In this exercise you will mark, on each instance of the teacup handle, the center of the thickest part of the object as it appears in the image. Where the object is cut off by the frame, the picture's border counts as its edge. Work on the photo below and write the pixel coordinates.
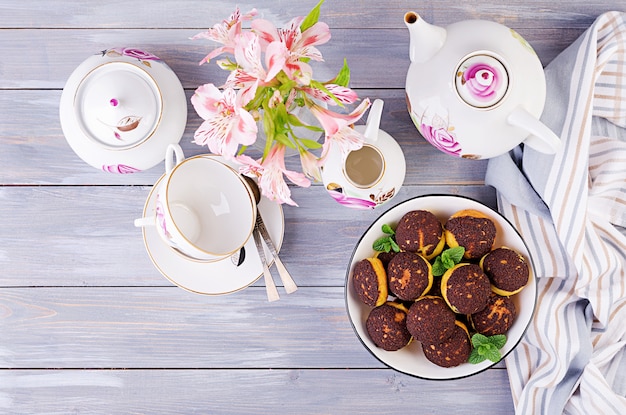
(173, 156)
(542, 138)
(373, 120)
(147, 221)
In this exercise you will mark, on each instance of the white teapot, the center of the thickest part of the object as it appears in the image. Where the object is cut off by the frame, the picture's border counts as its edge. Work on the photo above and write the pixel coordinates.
(475, 89)
(370, 176)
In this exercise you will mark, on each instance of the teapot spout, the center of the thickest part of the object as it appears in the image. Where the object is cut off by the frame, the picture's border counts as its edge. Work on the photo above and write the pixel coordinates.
(425, 39)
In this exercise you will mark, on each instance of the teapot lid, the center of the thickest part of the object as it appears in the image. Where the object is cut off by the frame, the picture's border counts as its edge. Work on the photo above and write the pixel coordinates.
(118, 105)
(481, 80)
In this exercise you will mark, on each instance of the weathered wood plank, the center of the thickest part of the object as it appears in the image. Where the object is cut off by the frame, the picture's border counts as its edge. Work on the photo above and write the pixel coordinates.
(54, 54)
(33, 149)
(289, 391)
(84, 235)
(368, 13)
(165, 327)
(375, 61)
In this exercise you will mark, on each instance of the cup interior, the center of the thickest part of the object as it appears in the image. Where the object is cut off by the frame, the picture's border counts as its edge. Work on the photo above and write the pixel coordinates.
(364, 167)
(210, 205)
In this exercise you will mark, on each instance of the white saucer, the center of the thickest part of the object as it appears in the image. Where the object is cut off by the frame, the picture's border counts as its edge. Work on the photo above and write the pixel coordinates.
(121, 108)
(218, 277)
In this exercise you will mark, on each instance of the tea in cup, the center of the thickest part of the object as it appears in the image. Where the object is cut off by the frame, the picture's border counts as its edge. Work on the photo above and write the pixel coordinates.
(204, 208)
(364, 167)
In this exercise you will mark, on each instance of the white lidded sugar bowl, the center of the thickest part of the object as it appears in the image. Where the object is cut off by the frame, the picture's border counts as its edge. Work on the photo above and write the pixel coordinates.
(121, 108)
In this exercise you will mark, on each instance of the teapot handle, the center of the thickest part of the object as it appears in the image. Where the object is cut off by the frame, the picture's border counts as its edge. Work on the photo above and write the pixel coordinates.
(373, 120)
(542, 138)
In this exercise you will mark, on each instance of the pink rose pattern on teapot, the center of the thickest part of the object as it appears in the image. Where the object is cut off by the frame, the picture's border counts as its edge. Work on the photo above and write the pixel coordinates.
(442, 138)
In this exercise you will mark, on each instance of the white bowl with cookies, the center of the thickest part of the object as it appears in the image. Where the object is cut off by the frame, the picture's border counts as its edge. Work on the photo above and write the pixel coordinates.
(389, 295)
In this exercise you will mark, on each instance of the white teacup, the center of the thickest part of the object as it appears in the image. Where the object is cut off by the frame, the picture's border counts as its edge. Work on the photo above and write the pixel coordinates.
(370, 176)
(204, 208)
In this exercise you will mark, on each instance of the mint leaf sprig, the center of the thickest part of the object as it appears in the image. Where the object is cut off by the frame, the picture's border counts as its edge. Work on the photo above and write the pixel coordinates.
(486, 347)
(448, 259)
(386, 243)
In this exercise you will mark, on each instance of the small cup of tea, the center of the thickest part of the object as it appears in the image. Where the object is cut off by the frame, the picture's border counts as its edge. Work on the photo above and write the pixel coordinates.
(204, 208)
(370, 176)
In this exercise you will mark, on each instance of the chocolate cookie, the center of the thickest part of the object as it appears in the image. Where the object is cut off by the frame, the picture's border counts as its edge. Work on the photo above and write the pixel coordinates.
(496, 318)
(507, 270)
(466, 288)
(386, 326)
(409, 276)
(430, 320)
(420, 231)
(369, 281)
(451, 352)
(471, 229)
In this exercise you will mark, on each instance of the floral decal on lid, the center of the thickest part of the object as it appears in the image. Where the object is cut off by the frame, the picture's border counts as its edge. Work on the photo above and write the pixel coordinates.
(140, 55)
(481, 81)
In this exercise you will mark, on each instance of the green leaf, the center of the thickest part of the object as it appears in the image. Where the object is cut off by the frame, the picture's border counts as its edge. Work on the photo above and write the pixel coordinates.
(447, 261)
(486, 348)
(479, 339)
(382, 244)
(295, 121)
(438, 268)
(312, 17)
(498, 340)
(386, 243)
(394, 245)
(456, 254)
(475, 357)
(388, 229)
(310, 144)
(283, 139)
(343, 77)
(268, 128)
(492, 354)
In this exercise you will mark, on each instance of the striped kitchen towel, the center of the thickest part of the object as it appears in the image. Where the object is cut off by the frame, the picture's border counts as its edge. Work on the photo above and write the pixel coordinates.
(570, 208)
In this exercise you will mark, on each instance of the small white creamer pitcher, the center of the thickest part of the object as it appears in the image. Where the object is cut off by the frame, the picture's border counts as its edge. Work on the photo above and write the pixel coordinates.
(370, 176)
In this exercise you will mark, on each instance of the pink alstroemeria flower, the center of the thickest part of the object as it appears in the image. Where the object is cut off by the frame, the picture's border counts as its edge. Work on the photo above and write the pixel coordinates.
(225, 33)
(299, 44)
(270, 173)
(226, 123)
(250, 73)
(343, 94)
(310, 165)
(337, 128)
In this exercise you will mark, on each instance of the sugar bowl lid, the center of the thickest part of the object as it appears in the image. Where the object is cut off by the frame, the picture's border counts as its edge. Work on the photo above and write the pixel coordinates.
(121, 108)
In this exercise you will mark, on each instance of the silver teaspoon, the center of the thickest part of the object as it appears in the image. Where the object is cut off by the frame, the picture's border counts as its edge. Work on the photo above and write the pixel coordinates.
(285, 277)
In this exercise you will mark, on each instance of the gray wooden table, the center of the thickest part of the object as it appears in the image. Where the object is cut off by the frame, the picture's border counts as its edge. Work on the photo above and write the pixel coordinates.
(88, 325)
